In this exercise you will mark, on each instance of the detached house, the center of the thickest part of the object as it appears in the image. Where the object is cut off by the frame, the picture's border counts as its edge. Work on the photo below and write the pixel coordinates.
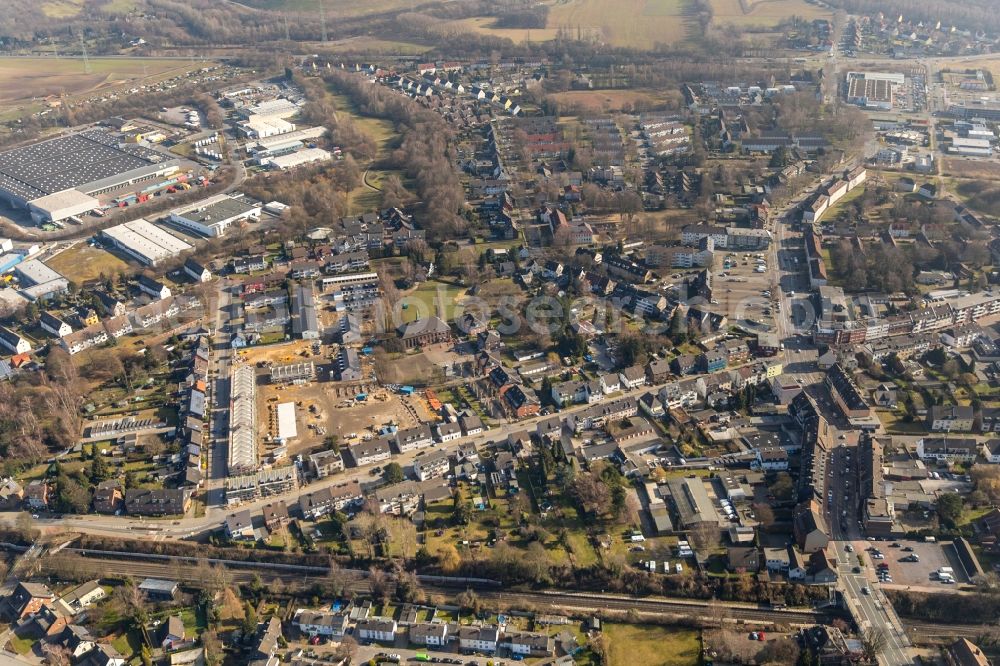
(633, 377)
(54, 325)
(152, 287)
(13, 342)
(196, 271)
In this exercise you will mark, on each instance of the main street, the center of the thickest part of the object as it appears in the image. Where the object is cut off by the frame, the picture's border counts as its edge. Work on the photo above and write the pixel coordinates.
(839, 490)
(186, 527)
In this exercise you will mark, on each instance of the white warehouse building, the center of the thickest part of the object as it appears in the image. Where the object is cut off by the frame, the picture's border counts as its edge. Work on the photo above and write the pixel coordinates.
(144, 241)
(302, 157)
(213, 216)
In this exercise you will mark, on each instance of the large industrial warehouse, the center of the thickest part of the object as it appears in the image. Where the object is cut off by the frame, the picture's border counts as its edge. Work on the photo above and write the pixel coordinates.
(213, 216)
(873, 90)
(60, 178)
(145, 242)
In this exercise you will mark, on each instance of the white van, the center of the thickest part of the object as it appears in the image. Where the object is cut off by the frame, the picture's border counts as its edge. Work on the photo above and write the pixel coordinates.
(679, 568)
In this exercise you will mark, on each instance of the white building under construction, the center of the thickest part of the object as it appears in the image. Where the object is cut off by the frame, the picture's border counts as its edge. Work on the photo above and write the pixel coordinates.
(243, 456)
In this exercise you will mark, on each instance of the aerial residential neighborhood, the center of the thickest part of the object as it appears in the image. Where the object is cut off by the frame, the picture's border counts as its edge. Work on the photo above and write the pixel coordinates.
(480, 333)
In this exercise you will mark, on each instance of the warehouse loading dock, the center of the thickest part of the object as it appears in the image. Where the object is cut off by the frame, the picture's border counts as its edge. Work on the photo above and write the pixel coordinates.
(61, 206)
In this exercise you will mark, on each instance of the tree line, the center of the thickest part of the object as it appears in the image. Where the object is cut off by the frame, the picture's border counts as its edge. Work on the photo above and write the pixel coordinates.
(426, 153)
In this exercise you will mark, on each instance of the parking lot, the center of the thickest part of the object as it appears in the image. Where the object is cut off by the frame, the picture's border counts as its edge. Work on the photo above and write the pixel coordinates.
(932, 556)
(739, 290)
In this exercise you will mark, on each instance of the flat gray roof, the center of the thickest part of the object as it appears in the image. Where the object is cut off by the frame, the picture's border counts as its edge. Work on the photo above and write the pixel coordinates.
(69, 162)
(223, 208)
(35, 272)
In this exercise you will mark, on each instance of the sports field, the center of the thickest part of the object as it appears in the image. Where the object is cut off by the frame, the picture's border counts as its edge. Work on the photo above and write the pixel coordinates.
(763, 12)
(23, 79)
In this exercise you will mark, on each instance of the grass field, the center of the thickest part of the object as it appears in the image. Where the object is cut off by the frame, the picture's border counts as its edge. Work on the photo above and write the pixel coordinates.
(331, 7)
(82, 263)
(635, 23)
(484, 25)
(377, 46)
(975, 183)
(651, 645)
(431, 298)
(24, 79)
(367, 196)
(631, 23)
(63, 9)
(605, 101)
(763, 12)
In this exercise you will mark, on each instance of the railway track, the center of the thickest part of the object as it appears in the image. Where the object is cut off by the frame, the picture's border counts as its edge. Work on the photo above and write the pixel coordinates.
(583, 601)
(918, 630)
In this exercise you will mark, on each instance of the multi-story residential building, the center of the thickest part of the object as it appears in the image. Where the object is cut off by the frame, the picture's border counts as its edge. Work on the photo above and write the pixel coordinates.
(946, 449)
(85, 338)
(325, 463)
(528, 644)
(376, 629)
(152, 287)
(447, 431)
(369, 453)
(13, 342)
(432, 465)
(417, 437)
(427, 633)
(478, 639)
(772, 459)
(950, 418)
(118, 327)
(54, 325)
(320, 623)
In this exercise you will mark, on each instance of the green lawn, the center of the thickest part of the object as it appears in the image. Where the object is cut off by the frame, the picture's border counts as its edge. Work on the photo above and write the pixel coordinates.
(22, 645)
(129, 644)
(894, 423)
(82, 263)
(842, 204)
(651, 645)
(971, 515)
(431, 298)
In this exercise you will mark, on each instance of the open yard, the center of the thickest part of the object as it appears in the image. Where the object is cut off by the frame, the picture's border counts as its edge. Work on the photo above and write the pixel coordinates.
(651, 645)
(368, 196)
(368, 44)
(83, 263)
(331, 7)
(605, 101)
(630, 23)
(634, 23)
(25, 79)
(431, 298)
(62, 9)
(763, 12)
